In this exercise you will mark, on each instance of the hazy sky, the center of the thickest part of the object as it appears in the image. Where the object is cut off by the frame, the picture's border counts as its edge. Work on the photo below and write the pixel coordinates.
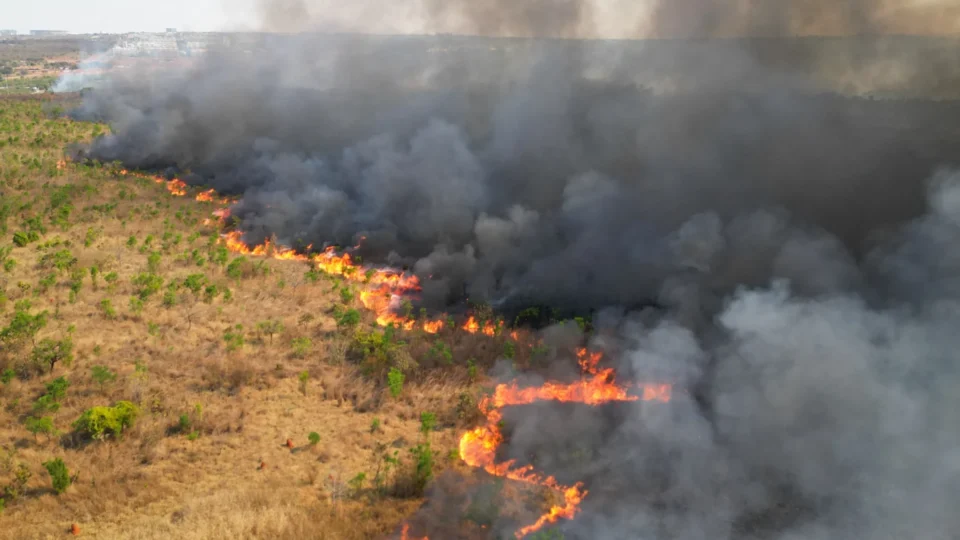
(611, 18)
(115, 15)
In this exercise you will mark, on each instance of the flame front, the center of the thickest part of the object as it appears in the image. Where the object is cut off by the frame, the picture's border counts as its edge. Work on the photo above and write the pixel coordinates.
(384, 293)
(478, 448)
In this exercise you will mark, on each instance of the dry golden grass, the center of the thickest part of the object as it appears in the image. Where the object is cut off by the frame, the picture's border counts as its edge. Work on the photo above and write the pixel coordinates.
(156, 482)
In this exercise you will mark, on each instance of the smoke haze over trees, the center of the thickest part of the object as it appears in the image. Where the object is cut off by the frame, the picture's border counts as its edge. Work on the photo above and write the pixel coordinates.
(795, 237)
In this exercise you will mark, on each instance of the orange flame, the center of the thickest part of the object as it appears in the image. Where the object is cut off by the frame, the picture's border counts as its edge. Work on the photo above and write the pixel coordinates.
(478, 447)
(206, 196)
(473, 326)
(404, 534)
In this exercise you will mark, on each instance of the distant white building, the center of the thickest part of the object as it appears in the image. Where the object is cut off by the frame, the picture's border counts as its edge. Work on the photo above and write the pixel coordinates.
(46, 33)
(6, 33)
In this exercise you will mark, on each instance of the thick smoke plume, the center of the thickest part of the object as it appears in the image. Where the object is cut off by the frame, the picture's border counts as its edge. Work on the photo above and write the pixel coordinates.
(741, 215)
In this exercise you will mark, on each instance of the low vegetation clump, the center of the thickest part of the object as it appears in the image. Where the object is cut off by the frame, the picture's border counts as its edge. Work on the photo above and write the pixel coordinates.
(101, 422)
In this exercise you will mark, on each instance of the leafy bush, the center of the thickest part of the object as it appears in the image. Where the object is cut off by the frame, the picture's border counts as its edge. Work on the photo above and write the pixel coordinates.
(100, 422)
(40, 425)
(45, 404)
(57, 388)
(195, 283)
(234, 337)
(348, 319)
(16, 488)
(21, 238)
(153, 262)
(136, 305)
(23, 326)
(301, 346)
(106, 307)
(7, 376)
(102, 375)
(147, 285)
(59, 475)
(395, 379)
(61, 260)
(314, 438)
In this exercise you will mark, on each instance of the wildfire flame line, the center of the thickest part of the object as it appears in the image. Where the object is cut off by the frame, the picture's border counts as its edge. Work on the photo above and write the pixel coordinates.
(478, 447)
(384, 293)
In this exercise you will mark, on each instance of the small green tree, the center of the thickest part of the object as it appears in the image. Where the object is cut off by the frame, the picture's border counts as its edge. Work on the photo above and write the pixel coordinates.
(269, 328)
(314, 438)
(59, 475)
(50, 352)
(37, 425)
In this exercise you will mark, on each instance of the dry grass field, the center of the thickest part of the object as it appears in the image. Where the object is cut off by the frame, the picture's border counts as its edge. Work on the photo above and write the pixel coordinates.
(114, 290)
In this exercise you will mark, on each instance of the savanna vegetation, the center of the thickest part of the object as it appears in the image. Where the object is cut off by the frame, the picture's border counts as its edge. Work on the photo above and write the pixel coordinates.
(155, 385)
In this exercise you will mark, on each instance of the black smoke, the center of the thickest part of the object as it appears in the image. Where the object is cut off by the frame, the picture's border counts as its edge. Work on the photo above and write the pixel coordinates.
(786, 203)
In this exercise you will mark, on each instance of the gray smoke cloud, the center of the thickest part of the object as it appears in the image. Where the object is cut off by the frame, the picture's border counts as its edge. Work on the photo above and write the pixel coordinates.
(739, 215)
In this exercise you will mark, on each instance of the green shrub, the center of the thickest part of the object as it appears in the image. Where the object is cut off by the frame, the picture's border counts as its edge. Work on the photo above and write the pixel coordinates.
(509, 349)
(23, 326)
(59, 475)
(106, 307)
(395, 379)
(7, 376)
(147, 285)
(301, 346)
(136, 305)
(153, 262)
(45, 404)
(195, 283)
(100, 422)
(314, 438)
(304, 378)
(102, 375)
(234, 338)
(428, 422)
(356, 484)
(57, 388)
(16, 488)
(61, 260)
(40, 425)
(184, 425)
(348, 319)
